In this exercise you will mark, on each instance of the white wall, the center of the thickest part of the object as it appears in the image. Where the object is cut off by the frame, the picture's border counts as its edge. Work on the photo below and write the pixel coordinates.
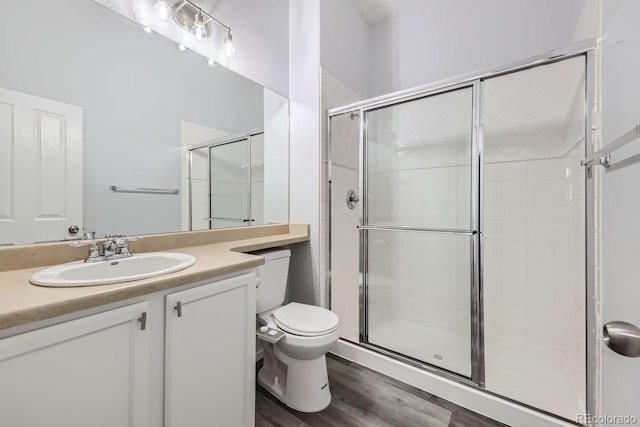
(260, 33)
(345, 44)
(304, 96)
(620, 295)
(276, 153)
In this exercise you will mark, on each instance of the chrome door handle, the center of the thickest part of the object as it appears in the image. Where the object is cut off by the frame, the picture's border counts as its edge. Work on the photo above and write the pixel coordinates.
(352, 199)
(622, 337)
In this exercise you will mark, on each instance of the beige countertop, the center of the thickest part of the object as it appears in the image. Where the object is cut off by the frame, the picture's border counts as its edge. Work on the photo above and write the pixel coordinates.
(218, 252)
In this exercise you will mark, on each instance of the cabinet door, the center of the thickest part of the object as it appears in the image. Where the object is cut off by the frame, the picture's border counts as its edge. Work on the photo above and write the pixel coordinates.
(91, 371)
(210, 355)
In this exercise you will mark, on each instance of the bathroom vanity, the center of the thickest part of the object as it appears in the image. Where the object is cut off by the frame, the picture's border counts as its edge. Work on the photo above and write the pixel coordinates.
(178, 348)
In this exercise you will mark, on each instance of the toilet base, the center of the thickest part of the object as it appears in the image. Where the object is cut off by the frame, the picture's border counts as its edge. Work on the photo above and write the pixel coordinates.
(302, 385)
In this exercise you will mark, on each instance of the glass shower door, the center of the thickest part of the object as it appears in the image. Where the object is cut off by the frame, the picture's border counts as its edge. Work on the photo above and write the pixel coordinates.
(418, 238)
(230, 185)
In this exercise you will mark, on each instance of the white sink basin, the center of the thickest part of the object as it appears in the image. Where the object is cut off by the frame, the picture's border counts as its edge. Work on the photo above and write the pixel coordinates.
(136, 267)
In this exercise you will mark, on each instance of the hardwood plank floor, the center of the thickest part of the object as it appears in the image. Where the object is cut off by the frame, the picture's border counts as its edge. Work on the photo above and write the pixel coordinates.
(362, 397)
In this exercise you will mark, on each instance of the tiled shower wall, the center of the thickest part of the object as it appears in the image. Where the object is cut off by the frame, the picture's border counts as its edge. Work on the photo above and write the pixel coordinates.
(345, 158)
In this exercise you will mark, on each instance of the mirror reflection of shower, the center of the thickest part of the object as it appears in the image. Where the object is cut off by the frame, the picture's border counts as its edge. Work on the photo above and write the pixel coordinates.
(227, 183)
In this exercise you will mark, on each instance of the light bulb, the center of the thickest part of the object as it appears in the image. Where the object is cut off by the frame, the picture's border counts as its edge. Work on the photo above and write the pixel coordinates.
(198, 30)
(229, 48)
(162, 10)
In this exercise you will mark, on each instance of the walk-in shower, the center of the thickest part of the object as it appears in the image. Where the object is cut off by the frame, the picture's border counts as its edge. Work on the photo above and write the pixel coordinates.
(470, 229)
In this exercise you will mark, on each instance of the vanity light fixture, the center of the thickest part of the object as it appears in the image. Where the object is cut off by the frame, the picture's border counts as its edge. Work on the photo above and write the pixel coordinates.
(163, 10)
(196, 21)
(198, 30)
(229, 48)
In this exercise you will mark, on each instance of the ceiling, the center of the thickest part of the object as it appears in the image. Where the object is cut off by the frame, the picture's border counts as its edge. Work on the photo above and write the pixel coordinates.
(377, 10)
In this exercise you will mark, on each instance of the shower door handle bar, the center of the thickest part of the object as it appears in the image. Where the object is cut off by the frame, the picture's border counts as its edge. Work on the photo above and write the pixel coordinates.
(603, 156)
(419, 229)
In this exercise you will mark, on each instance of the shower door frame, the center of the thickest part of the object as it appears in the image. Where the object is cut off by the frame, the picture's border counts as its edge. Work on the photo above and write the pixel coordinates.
(224, 140)
(477, 355)
(587, 49)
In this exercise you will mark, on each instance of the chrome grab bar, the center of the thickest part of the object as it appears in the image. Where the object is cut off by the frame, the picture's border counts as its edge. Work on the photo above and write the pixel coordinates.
(622, 337)
(602, 157)
(228, 219)
(132, 189)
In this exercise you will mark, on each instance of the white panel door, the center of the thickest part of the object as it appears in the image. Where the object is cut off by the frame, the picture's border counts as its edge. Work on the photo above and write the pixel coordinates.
(210, 355)
(91, 371)
(40, 168)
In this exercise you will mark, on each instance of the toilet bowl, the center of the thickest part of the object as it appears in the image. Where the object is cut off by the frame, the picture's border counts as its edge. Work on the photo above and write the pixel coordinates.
(294, 368)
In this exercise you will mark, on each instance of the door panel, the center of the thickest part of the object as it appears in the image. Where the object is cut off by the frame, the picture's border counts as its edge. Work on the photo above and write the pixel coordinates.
(41, 147)
(92, 371)
(417, 241)
(210, 354)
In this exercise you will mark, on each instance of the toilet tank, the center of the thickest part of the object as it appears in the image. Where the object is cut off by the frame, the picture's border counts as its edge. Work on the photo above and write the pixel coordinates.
(272, 278)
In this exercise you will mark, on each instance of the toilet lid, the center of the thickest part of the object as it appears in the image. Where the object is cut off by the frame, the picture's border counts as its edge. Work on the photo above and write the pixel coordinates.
(306, 320)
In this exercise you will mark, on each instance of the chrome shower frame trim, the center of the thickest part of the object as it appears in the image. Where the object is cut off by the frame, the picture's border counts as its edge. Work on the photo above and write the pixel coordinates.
(476, 368)
(477, 312)
(586, 48)
(363, 235)
(574, 49)
(418, 229)
(190, 189)
(591, 362)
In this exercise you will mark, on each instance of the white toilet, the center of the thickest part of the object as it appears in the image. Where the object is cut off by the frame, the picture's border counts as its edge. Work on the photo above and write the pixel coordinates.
(295, 368)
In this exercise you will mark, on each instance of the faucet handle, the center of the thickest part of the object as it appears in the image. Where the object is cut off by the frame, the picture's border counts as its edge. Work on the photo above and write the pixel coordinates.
(123, 237)
(94, 252)
(81, 243)
(122, 243)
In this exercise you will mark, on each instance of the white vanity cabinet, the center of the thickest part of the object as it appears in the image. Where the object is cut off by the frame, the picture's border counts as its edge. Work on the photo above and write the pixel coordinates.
(138, 362)
(92, 371)
(210, 354)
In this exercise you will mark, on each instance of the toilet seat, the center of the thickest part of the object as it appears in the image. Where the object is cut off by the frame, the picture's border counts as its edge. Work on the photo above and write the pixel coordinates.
(305, 320)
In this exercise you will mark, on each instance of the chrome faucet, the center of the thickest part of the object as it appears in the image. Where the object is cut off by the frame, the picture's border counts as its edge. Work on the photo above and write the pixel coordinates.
(114, 247)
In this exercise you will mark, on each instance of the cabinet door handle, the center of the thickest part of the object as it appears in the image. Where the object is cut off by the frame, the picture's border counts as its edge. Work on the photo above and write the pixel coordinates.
(178, 307)
(143, 321)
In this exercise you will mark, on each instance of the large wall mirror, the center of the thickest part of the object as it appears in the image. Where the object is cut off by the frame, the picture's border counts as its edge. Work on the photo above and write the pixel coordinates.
(109, 129)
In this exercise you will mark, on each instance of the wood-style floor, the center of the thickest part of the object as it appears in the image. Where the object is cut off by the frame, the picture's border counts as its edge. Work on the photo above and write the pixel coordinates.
(364, 398)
